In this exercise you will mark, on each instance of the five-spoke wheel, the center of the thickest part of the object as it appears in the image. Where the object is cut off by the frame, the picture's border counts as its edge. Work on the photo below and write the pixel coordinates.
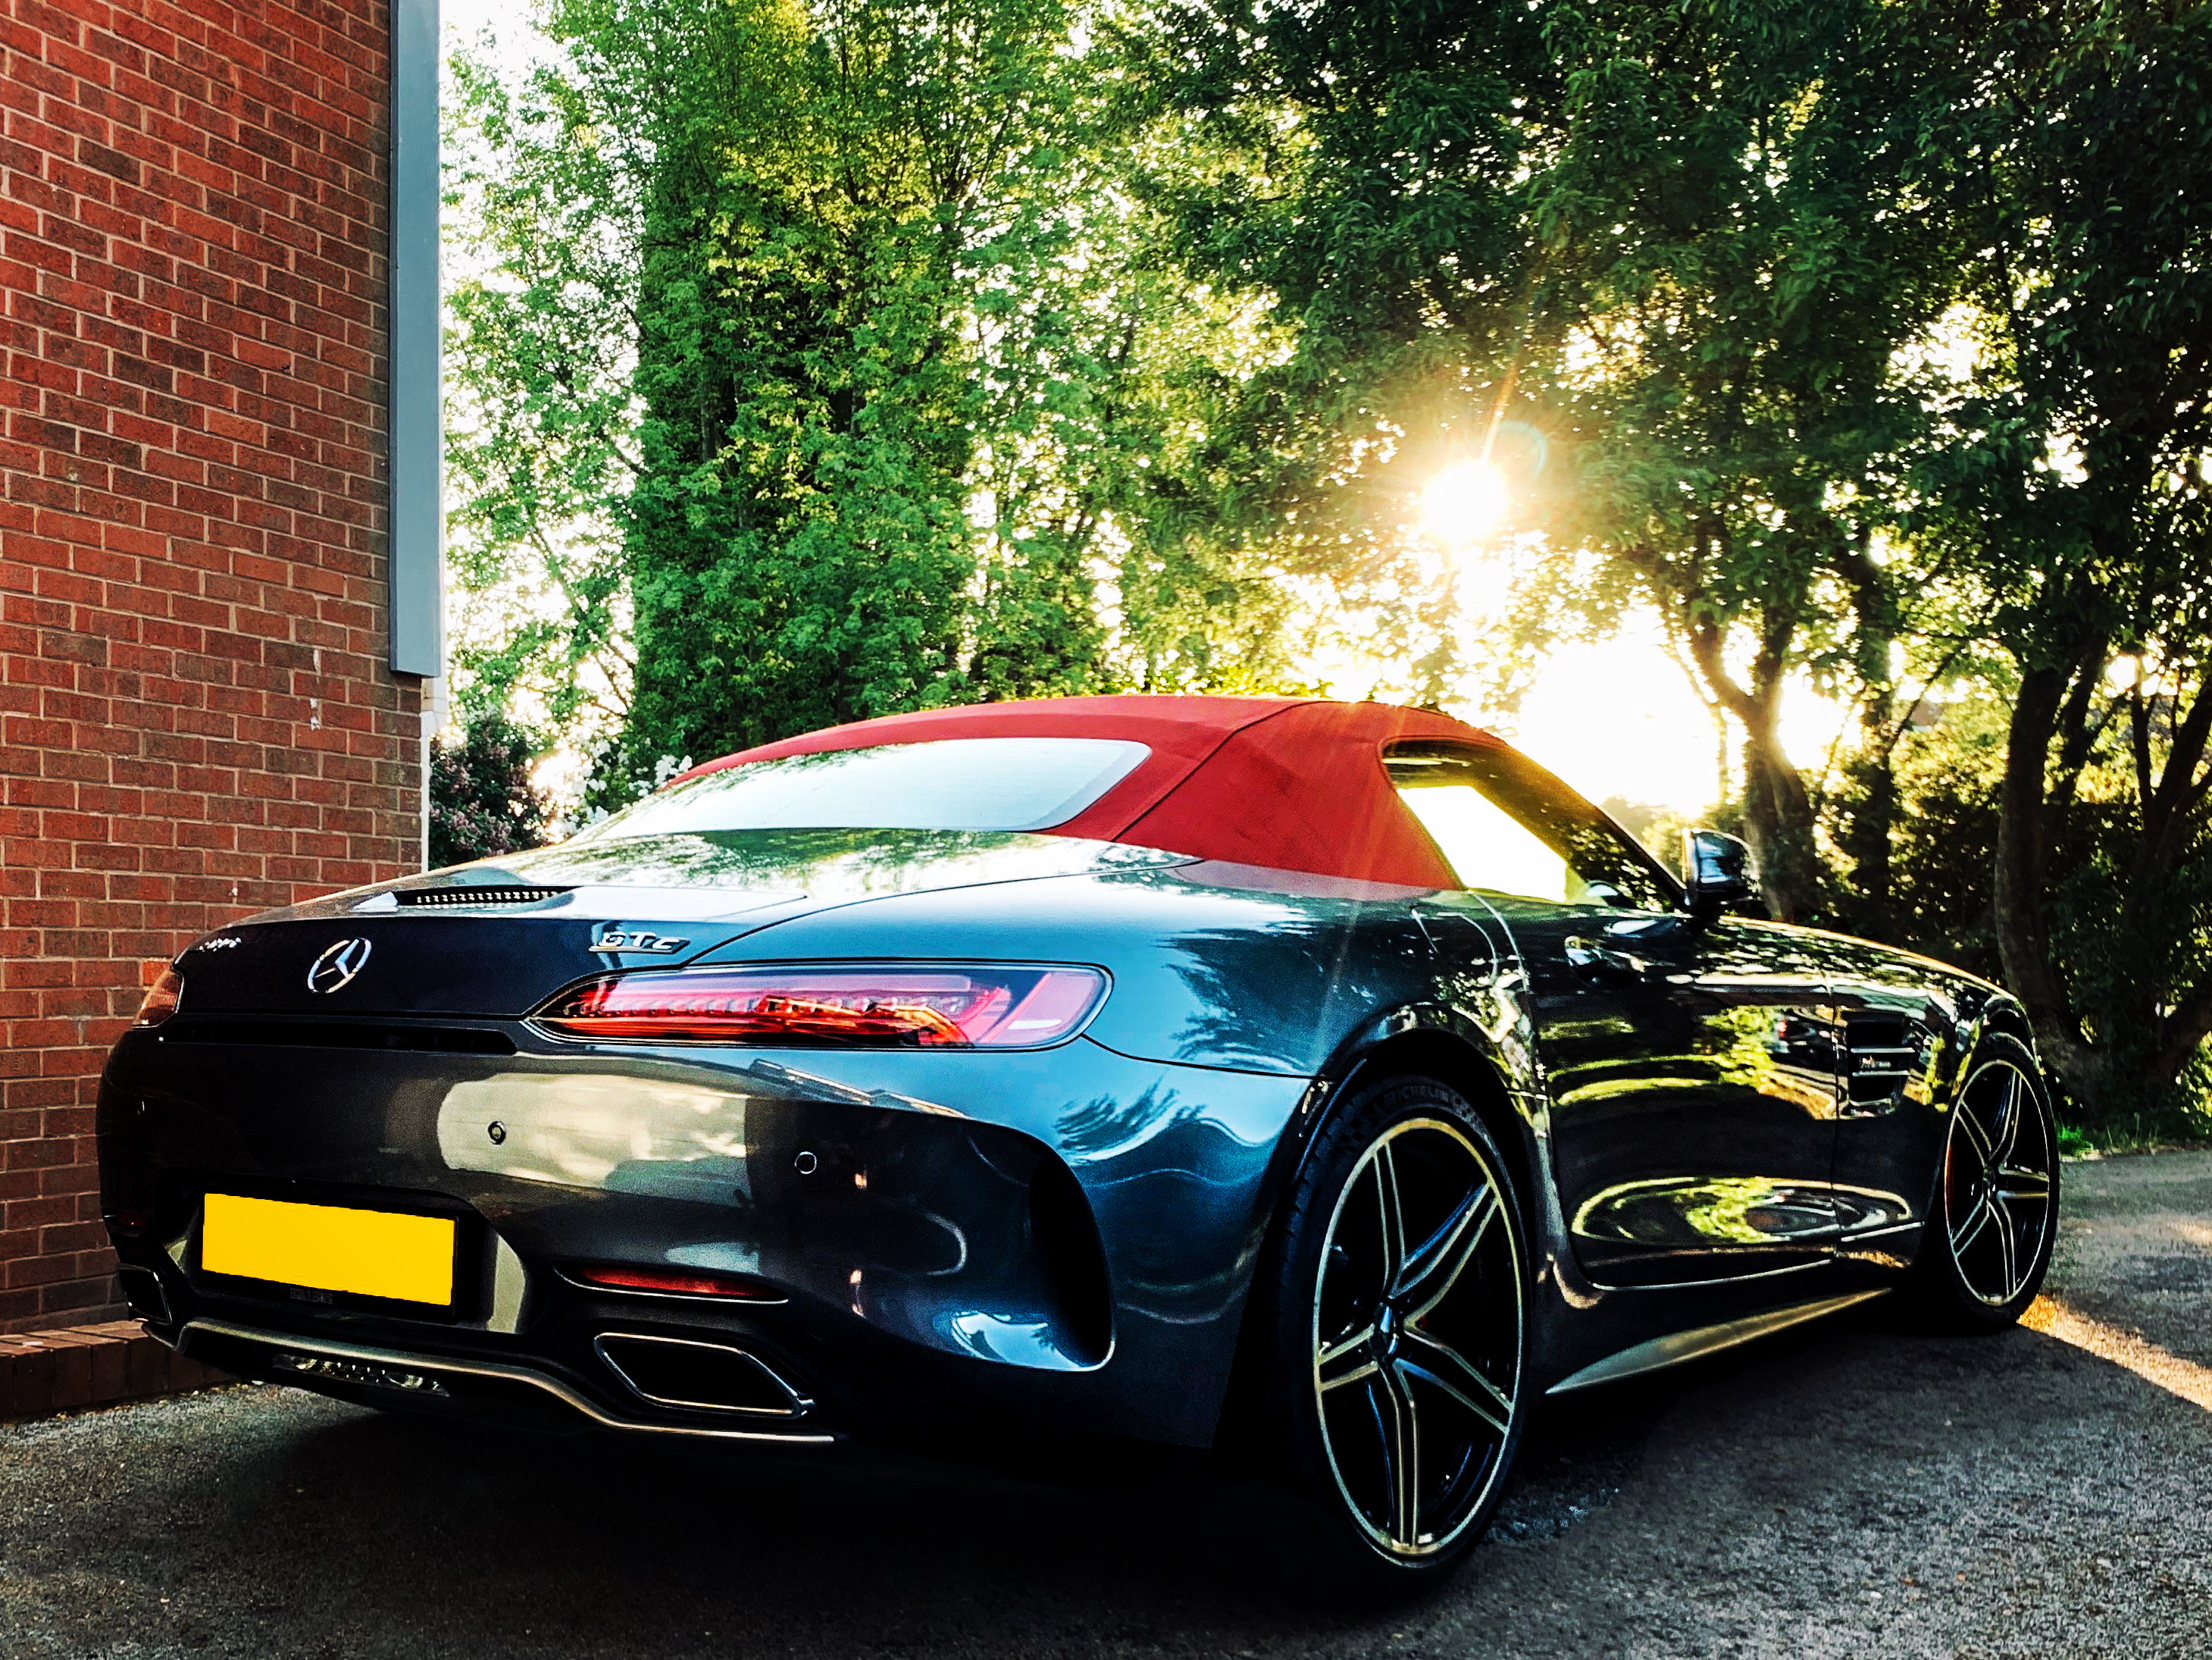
(1989, 1244)
(1400, 1303)
(1418, 1335)
(1997, 1181)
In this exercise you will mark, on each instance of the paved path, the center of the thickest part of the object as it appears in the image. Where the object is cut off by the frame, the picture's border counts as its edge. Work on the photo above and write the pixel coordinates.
(1852, 1490)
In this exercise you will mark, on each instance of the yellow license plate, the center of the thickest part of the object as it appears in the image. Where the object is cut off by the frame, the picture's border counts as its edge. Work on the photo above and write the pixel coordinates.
(373, 1253)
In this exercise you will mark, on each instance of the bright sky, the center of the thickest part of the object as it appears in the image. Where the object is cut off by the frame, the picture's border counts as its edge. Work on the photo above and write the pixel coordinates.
(469, 16)
(1620, 719)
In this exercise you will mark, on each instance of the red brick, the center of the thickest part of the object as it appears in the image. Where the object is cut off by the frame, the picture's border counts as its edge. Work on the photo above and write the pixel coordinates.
(110, 1366)
(26, 1384)
(146, 1367)
(192, 446)
(91, 1364)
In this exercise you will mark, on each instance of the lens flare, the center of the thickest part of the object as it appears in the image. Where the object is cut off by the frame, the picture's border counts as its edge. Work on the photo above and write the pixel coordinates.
(1464, 503)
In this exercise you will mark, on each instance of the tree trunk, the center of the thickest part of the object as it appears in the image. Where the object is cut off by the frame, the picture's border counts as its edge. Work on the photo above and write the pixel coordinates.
(1778, 818)
(1778, 812)
(1868, 827)
(2023, 830)
(1870, 823)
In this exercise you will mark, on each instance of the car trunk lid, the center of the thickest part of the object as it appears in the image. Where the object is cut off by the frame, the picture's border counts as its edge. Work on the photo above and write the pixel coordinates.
(497, 938)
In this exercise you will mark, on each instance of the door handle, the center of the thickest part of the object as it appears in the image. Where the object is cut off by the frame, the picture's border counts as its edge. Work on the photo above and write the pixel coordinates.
(1601, 964)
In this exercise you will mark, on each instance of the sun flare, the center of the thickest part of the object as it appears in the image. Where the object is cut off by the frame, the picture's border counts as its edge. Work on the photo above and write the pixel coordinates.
(1463, 503)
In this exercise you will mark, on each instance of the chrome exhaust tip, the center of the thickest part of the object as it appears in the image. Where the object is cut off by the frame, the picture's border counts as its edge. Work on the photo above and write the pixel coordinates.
(690, 1374)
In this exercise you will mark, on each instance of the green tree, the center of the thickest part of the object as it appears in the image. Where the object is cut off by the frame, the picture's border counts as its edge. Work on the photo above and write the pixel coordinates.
(1742, 253)
(1363, 176)
(859, 383)
(2075, 492)
(540, 452)
(797, 541)
(1937, 824)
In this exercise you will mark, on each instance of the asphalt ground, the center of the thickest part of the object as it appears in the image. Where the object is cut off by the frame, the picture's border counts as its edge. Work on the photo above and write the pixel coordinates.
(1850, 1489)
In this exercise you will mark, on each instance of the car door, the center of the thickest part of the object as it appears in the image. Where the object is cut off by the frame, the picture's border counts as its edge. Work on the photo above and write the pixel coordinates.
(1689, 1064)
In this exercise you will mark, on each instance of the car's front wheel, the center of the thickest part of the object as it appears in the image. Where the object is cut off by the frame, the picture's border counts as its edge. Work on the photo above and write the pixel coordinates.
(1988, 1243)
(1397, 1295)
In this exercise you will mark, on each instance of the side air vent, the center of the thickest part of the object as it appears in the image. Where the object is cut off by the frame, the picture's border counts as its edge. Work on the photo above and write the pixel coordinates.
(696, 1377)
(340, 1035)
(473, 897)
(1882, 1054)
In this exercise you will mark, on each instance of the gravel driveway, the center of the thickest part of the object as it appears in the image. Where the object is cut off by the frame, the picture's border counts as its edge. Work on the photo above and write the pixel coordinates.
(1849, 1489)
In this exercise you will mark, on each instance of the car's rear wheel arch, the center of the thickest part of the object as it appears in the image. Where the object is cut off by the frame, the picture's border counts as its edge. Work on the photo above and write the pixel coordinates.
(1459, 1066)
(1430, 1053)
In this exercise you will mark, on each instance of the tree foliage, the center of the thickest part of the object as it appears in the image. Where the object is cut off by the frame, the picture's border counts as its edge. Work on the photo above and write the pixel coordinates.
(540, 451)
(1867, 343)
(819, 368)
(1365, 173)
(1679, 245)
(2074, 493)
(1740, 257)
(482, 802)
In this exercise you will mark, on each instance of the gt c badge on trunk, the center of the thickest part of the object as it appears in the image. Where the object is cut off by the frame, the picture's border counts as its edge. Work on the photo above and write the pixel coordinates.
(619, 939)
(336, 968)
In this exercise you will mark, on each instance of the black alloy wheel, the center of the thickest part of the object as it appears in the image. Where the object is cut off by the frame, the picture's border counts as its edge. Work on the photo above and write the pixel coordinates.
(1989, 1246)
(1400, 1298)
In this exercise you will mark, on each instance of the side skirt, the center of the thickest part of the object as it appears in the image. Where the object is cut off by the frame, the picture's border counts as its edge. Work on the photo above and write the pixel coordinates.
(1679, 1347)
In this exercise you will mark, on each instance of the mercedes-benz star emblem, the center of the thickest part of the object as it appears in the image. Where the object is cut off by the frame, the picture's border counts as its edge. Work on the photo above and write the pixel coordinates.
(336, 967)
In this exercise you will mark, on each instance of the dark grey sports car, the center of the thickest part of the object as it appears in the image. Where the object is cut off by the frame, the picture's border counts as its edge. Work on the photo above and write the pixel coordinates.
(1326, 1077)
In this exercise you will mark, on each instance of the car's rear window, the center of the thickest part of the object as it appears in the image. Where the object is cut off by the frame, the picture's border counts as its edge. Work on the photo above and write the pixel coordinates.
(953, 783)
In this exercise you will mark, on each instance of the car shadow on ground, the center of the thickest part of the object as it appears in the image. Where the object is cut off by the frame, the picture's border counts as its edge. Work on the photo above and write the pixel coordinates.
(858, 1552)
(661, 1548)
(1667, 1515)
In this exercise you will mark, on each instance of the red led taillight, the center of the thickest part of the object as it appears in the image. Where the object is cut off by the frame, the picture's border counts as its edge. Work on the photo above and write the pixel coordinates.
(680, 1282)
(981, 1007)
(161, 997)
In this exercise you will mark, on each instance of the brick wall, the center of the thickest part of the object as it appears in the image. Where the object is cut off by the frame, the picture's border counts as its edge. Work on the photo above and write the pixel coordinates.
(194, 717)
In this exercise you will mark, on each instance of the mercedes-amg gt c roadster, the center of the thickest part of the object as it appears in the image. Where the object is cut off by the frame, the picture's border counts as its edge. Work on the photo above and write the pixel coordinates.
(1328, 1081)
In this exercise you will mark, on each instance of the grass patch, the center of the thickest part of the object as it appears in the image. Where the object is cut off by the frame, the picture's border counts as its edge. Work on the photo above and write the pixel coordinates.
(2136, 1133)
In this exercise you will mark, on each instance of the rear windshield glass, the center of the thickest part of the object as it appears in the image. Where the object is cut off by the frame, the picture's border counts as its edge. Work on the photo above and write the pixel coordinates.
(953, 784)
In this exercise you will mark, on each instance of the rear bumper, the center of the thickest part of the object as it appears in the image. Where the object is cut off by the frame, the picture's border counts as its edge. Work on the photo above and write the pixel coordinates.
(956, 1242)
(465, 1386)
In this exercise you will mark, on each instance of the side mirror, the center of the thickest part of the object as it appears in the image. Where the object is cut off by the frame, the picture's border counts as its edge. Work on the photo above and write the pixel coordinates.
(1718, 874)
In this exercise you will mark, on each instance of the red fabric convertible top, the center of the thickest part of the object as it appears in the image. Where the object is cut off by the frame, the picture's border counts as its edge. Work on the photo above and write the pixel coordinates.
(1293, 784)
